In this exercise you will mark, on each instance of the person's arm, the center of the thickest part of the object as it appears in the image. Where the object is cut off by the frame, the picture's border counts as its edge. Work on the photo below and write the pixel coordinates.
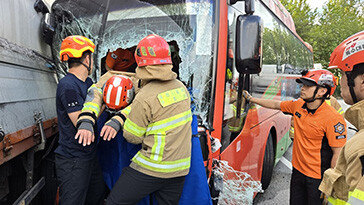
(267, 103)
(336, 136)
(90, 111)
(73, 102)
(93, 103)
(335, 104)
(73, 116)
(335, 155)
(113, 126)
(137, 122)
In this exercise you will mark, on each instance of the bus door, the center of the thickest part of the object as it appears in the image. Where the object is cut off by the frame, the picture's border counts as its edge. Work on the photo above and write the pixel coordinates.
(237, 137)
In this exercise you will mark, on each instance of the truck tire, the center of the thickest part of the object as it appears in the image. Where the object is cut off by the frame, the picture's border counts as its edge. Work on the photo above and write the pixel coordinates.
(268, 162)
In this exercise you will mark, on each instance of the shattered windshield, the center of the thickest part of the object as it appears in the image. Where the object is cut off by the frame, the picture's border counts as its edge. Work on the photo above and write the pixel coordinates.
(187, 25)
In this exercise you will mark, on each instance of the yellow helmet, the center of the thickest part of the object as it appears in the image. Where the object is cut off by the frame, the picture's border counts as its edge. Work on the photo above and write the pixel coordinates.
(75, 46)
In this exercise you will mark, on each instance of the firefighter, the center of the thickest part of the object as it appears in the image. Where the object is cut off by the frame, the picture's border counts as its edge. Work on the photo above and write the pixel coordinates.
(77, 167)
(345, 182)
(92, 108)
(332, 102)
(159, 118)
(320, 132)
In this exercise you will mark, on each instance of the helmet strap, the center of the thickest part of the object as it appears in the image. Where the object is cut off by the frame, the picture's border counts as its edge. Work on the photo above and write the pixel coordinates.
(313, 97)
(351, 85)
(89, 65)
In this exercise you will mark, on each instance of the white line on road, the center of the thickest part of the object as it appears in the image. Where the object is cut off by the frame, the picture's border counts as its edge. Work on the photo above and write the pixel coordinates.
(286, 162)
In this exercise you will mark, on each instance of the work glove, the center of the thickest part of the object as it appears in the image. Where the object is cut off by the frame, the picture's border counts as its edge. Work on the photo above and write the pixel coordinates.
(215, 144)
(110, 129)
(246, 95)
(85, 133)
(85, 125)
(114, 124)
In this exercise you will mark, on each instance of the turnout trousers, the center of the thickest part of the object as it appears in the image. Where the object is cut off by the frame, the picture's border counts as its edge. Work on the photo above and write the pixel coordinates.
(132, 186)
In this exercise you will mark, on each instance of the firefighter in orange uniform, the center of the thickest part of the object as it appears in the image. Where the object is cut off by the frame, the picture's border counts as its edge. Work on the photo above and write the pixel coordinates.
(344, 184)
(77, 167)
(320, 132)
(332, 102)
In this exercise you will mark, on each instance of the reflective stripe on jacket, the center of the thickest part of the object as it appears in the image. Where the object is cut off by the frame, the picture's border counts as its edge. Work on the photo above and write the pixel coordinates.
(345, 182)
(235, 124)
(94, 99)
(160, 119)
(354, 198)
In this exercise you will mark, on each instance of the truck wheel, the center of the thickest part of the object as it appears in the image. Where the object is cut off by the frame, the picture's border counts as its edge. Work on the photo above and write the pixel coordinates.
(268, 162)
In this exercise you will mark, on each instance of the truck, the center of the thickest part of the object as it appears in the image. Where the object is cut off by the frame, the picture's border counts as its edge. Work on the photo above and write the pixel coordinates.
(218, 49)
(28, 122)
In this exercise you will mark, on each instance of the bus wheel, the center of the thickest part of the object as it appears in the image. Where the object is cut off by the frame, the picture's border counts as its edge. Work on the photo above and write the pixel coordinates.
(268, 162)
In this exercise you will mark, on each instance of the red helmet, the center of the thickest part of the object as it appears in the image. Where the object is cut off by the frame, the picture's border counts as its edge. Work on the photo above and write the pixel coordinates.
(74, 46)
(152, 50)
(319, 77)
(120, 60)
(118, 92)
(349, 53)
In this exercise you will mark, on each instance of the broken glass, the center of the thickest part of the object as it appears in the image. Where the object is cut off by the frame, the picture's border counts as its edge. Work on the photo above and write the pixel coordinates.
(189, 23)
(235, 187)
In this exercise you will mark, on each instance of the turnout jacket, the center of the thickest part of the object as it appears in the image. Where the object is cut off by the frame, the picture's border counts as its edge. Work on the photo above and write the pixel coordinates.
(345, 182)
(159, 118)
(94, 99)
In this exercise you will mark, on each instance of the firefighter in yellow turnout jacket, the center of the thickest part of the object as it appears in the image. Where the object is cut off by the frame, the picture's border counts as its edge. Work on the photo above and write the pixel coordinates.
(93, 106)
(344, 184)
(160, 119)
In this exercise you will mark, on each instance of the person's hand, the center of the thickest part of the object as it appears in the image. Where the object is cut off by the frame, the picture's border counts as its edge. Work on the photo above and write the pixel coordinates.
(85, 137)
(108, 133)
(246, 95)
(110, 129)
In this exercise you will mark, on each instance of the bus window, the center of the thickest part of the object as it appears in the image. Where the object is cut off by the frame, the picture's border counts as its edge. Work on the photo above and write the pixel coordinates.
(284, 57)
(232, 125)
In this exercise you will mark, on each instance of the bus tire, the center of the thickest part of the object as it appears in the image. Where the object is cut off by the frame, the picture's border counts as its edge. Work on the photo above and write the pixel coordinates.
(268, 162)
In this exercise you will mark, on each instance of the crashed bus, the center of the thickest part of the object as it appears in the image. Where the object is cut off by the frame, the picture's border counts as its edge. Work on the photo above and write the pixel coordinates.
(218, 49)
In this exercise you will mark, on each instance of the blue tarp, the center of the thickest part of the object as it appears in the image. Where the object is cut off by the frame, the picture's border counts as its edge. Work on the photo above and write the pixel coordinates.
(116, 154)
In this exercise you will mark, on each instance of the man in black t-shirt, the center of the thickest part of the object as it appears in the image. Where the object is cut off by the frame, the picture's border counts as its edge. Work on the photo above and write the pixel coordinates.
(77, 167)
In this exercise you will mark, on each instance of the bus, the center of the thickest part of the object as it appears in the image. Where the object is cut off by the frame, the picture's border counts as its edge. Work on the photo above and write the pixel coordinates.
(208, 41)
(218, 49)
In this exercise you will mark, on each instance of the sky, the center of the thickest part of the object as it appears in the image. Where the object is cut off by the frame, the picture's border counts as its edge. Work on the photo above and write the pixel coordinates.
(316, 3)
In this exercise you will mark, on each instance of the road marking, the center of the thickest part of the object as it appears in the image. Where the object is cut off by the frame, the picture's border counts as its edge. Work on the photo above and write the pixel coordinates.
(286, 162)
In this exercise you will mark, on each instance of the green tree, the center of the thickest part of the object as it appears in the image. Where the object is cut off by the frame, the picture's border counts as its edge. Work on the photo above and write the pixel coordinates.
(338, 20)
(324, 30)
(303, 16)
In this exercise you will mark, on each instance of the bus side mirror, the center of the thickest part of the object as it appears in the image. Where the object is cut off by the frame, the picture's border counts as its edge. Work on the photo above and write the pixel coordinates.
(47, 27)
(248, 44)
